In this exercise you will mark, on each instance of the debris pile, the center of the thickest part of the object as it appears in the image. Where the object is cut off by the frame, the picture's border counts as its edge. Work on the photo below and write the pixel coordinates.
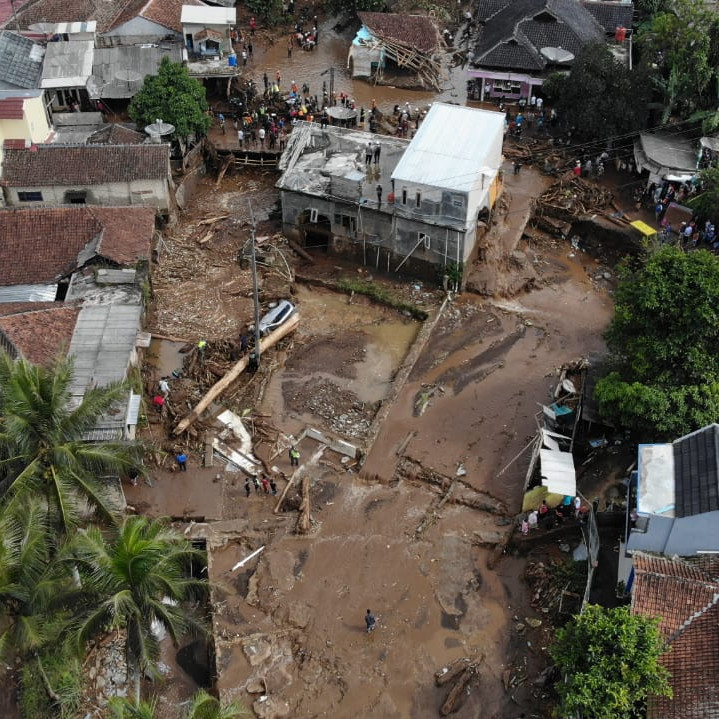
(570, 199)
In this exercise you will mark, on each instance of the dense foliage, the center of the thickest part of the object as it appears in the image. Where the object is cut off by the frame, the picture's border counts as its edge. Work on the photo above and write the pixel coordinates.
(600, 97)
(42, 452)
(610, 659)
(174, 97)
(663, 339)
(680, 46)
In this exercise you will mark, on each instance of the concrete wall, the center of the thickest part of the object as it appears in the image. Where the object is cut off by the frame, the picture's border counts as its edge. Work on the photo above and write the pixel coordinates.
(191, 29)
(380, 239)
(151, 193)
(362, 59)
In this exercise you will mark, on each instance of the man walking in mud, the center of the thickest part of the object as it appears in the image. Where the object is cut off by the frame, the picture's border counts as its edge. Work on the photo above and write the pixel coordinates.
(294, 456)
(370, 621)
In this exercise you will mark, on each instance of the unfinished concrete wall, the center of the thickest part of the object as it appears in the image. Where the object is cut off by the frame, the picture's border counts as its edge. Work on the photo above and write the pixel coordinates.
(378, 238)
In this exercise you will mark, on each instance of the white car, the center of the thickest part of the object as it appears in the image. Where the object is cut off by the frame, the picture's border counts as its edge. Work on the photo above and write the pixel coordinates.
(276, 316)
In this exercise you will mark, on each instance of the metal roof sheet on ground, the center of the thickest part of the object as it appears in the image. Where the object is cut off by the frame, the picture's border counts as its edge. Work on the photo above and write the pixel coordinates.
(67, 64)
(557, 471)
(452, 148)
(102, 345)
(192, 15)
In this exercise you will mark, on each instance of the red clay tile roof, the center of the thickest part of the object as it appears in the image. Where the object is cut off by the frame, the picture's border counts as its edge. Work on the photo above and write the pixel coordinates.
(39, 245)
(14, 145)
(116, 135)
(109, 14)
(11, 108)
(48, 165)
(687, 599)
(40, 334)
(163, 12)
(127, 233)
(416, 31)
(56, 11)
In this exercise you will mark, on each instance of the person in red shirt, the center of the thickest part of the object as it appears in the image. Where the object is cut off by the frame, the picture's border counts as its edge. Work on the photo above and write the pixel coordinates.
(253, 25)
(158, 402)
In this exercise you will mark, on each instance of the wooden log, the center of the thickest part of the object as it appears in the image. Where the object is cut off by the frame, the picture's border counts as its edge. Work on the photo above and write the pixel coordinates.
(227, 162)
(456, 692)
(278, 506)
(169, 338)
(455, 669)
(304, 523)
(301, 252)
(212, 220)
(218, 388)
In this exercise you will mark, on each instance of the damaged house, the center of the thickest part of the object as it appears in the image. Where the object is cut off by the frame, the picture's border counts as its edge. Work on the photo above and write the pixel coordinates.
(73, 283)
(396, 43)
(418, 208)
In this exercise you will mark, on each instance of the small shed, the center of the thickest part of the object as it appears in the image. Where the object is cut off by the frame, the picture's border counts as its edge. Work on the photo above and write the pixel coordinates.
(410, 42)
(207, 29)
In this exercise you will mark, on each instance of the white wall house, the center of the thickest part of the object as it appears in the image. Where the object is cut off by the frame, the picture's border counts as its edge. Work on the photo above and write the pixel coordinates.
(206, 30)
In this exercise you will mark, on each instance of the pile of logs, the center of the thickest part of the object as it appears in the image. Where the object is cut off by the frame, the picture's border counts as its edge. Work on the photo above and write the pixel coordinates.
(460, 674)
(569, 199)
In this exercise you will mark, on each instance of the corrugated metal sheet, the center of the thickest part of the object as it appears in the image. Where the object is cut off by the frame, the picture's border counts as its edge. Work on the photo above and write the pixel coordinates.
(452, 148)
(558, 474)
(102, 345)
(28, 293)
(67, 64)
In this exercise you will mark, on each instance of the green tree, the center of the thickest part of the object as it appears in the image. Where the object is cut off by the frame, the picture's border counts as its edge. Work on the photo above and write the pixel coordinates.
(679, 44)
(42, 451)
(664, 378)
(610, 659)
(202, 706)
(600, 97)
(37, 594)
(352, 7)
(172, 96)
(706, 202)
(140, 577)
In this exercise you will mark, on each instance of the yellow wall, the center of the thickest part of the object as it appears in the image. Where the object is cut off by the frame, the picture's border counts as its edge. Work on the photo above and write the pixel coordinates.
(33, 126)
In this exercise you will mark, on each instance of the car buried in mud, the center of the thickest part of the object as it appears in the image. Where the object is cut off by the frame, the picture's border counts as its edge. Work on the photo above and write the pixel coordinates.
(277, 316)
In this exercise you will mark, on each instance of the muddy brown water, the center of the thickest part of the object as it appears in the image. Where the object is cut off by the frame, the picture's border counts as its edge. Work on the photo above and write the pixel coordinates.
(313, 68)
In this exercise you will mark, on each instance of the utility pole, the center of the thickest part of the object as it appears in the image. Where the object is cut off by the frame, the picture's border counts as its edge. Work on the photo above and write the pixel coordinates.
(255, 293)
(332, 84)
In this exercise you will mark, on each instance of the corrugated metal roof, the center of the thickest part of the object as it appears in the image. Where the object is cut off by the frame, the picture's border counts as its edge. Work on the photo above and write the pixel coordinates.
(102, 345)
(28, 293)
(453, 147)
(20, 60)
(67, 64)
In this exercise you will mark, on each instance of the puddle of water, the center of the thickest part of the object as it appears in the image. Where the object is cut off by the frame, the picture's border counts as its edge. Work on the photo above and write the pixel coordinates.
(165, 356)
(389, 340)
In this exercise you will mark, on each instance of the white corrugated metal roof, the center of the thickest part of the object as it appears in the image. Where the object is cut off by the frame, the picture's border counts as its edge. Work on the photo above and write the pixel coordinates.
(102, 345)
(196, 15)
(557, 470)
(67, 64)
(452, 147)
(28, 293)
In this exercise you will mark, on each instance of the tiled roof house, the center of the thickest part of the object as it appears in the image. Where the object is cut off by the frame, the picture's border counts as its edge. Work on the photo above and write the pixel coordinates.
(507, 58)
(685, 596)
(92, 174)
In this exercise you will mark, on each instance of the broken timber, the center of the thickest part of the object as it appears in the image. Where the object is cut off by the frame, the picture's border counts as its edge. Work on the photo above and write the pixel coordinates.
(219, 387)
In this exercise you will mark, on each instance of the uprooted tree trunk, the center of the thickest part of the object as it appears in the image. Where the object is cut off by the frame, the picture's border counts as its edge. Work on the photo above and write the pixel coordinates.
(304, 522)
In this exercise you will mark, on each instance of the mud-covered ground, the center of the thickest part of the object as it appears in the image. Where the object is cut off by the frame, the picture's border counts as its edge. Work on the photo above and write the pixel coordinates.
(408, 537)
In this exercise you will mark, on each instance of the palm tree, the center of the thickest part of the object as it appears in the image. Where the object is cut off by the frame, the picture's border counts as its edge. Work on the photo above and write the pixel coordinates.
(36, 591)
(202, 706)
(121, 708)
(42, 451)
(141, 578)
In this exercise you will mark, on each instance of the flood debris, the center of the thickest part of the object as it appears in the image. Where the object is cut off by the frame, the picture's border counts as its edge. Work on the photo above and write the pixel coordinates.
(461, 673)
(569, 199)
(424, 396)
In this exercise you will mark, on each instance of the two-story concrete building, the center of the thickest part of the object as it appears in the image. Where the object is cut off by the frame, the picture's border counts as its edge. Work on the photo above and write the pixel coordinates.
(413, 207)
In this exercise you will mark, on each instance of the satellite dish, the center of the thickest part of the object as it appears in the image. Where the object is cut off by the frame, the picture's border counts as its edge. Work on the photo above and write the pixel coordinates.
(158, 129)
(128, 76)
(557, 55)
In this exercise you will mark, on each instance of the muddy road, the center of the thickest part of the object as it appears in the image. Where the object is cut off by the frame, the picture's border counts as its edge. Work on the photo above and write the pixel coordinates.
(408, 537)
